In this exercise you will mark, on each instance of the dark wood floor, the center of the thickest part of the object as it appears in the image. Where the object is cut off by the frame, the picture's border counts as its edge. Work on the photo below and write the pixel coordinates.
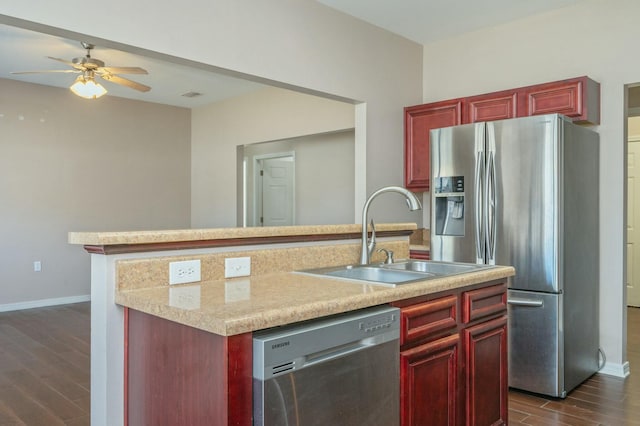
(601, 400)
(44, 366)
(44, 377)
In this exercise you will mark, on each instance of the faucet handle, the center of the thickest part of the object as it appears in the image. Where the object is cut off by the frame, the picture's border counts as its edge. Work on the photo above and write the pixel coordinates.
(372, 240)
(389, 260)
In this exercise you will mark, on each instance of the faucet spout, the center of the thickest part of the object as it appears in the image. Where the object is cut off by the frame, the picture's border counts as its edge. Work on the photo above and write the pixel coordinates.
(412, 202)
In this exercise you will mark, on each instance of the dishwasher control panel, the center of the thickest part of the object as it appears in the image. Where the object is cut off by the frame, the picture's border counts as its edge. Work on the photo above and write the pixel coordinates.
(292, 347)
(379, 322)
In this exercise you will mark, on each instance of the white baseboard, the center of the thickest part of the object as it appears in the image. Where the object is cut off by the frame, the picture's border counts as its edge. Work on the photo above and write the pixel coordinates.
(44, 302)
(617, 370)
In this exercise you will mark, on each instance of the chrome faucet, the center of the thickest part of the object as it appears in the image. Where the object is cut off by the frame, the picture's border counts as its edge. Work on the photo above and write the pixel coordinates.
(368, 246)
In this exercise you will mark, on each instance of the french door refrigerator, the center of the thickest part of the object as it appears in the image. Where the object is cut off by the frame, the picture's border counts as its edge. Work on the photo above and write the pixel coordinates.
(524, 192)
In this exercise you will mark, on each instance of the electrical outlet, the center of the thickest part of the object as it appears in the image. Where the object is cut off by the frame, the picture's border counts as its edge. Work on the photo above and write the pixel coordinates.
(37, 266)
(237, 267)
(187, 271)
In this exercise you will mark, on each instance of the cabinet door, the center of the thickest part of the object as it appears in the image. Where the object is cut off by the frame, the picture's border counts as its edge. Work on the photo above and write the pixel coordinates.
(430, 391)
(418, 122)
(492, 106)
(578, 98)
(487, 378)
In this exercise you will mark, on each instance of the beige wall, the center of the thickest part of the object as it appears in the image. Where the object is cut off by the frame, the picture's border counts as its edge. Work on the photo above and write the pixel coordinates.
(595, 38)
(266, 115)
(299, 43)
(324, 176)
(68, 164)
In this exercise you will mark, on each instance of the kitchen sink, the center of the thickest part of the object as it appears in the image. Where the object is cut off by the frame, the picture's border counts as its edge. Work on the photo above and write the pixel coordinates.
(394, 274)
(436, 268)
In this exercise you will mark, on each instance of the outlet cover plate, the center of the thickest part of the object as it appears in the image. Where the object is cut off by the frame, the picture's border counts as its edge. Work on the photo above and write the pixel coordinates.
(187, 271)
(237, 267)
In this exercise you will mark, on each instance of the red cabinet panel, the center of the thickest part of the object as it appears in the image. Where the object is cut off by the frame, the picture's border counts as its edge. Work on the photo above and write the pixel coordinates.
(487, 375)
(492, 106)
(430, 392)
(578, 98)
(454, 374)
(179, 375)
(428, 318)
(418, 121)
(419, 254)
(483, 302)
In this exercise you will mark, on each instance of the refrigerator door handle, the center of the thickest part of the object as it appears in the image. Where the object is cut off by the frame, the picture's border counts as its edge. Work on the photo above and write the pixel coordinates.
(490, 191)
(480, 177)
(526, 302)
(478, 207)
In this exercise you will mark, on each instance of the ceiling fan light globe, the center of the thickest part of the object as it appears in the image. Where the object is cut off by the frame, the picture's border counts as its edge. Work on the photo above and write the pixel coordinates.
(87, 88)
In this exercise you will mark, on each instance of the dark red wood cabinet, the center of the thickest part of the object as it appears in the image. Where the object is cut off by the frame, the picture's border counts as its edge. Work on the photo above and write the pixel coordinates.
(577, 98)
(179, 375)
(453, 358)
(418, 121)
(492, 106)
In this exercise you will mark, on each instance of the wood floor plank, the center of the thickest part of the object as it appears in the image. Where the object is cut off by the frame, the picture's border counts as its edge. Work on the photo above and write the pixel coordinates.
(45, 366)
(44, 395)
(8, 416)
(26, 409)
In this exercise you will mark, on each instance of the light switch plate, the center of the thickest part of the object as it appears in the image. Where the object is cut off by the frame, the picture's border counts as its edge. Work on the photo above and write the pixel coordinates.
(187, 271)
(237, 267)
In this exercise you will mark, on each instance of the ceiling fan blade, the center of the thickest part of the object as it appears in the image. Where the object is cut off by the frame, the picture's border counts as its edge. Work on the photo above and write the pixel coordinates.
(44, 71)
(125, 82)
(71, 64)
(123, 70)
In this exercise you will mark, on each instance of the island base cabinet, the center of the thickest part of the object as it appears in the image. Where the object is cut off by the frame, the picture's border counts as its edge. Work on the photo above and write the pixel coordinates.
(430, 392)
(487, 378)
(178, 375)
(453, 358)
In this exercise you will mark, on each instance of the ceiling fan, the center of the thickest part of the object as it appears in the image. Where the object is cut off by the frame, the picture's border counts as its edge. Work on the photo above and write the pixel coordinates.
(85, 85)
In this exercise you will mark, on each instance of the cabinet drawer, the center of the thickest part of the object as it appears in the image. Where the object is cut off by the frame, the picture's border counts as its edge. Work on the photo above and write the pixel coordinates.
(483, 302)
(426, 318)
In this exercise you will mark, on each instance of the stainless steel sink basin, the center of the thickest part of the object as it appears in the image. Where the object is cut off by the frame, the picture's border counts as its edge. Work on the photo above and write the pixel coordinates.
(436, 268)
(377, 274)
(394, 274)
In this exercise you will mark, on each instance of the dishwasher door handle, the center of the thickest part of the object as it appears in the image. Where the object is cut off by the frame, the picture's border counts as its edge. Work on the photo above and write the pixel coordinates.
(329, 354)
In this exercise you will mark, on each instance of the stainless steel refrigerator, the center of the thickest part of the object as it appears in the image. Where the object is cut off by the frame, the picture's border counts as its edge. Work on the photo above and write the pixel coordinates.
(524, 192)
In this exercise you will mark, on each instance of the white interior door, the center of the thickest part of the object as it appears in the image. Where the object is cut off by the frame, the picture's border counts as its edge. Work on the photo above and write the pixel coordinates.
(278, 192)
(633, 223)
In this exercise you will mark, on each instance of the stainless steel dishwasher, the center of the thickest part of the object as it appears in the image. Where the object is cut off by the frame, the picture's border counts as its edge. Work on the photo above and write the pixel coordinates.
(342, 370)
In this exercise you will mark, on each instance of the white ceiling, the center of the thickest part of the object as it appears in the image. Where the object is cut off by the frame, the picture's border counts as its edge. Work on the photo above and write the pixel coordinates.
(425, 21)
(422, 21)
(25, 50)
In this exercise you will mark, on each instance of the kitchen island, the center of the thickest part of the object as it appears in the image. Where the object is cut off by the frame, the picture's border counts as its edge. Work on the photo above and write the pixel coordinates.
(166, 354)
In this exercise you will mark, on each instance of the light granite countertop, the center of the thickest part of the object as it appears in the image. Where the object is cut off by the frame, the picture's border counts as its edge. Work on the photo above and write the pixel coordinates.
(173, 235)
(240, 305)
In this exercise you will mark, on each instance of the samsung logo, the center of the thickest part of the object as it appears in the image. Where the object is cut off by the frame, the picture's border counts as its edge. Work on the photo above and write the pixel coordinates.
(280, 345)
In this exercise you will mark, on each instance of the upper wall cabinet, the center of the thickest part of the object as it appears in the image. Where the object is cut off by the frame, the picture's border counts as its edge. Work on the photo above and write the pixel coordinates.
(492, 106)
(418, 121)
(577, 98)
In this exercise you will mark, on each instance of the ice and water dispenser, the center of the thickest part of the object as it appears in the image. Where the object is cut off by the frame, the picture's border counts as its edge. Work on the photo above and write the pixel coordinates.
(449, 205)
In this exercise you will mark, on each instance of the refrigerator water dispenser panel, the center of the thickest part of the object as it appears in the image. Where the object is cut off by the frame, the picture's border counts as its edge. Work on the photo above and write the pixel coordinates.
(449, 184)
(449, 205)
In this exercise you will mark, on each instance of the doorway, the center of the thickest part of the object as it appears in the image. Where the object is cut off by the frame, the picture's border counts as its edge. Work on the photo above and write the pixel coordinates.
(633, 198)
(274, 177)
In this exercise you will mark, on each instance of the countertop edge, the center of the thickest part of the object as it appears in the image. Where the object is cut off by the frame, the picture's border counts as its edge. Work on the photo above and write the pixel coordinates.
(177, 235)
